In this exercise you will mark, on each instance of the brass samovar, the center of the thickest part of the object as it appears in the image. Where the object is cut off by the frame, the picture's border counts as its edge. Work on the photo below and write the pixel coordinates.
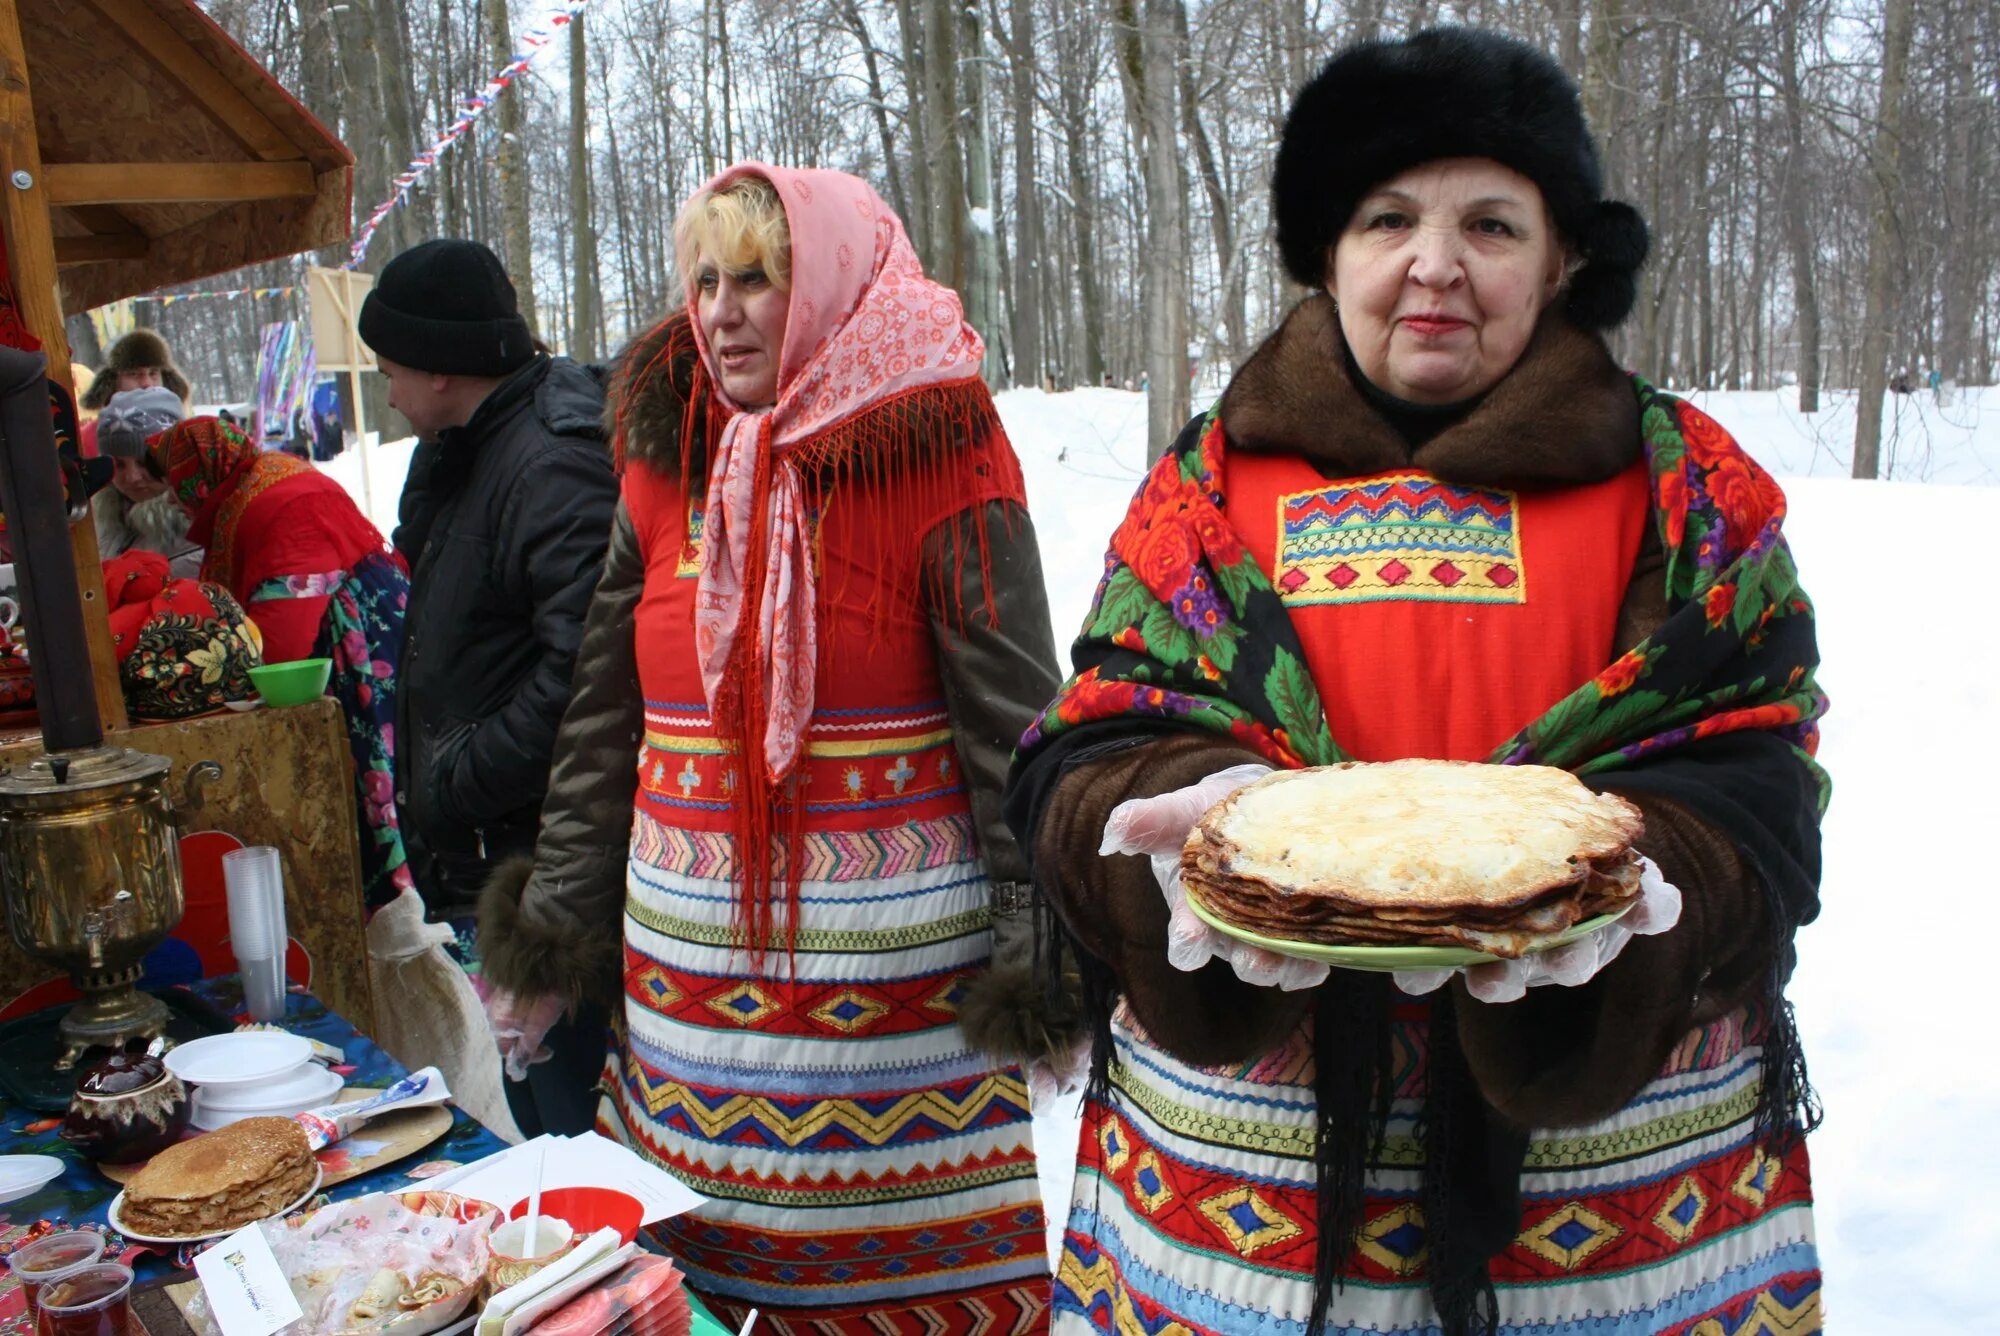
(90, 866)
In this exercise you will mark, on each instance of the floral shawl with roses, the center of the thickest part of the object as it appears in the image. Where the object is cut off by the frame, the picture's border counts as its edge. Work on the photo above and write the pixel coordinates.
(1717, 710)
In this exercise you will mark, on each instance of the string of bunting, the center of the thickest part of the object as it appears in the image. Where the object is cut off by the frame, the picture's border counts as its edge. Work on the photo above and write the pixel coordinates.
(169, 298)
(471, 109)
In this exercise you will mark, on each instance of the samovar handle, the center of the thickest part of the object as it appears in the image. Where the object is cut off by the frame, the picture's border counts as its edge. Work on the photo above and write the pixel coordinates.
(200, 773)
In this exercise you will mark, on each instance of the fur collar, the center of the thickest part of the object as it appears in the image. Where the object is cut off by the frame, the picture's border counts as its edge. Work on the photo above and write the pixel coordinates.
(1564, 414)
(647, 401)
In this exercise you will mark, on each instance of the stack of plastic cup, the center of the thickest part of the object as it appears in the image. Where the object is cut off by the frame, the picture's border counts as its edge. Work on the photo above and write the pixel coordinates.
(255, 880)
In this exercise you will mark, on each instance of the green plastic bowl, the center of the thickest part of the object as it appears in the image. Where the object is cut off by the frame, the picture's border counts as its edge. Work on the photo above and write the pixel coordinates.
(293, 683)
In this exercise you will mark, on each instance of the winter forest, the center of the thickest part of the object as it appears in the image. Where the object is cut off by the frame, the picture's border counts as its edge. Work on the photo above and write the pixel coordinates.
(1822, 177)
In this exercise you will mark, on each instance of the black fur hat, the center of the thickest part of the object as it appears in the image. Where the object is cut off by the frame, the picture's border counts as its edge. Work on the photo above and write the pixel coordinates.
(1384, 106)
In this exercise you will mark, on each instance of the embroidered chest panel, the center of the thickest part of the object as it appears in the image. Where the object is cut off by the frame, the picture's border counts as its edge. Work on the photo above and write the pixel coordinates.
(1399, 537)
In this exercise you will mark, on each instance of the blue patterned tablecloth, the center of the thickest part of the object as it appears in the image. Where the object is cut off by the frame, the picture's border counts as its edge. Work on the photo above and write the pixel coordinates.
(81, 1195)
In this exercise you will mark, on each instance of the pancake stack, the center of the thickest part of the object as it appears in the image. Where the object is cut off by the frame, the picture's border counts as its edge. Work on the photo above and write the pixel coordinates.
(1495, 858)
(246, 1171)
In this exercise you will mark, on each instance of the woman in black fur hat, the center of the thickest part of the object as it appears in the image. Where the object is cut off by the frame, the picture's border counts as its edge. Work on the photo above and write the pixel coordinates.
(1431, 517)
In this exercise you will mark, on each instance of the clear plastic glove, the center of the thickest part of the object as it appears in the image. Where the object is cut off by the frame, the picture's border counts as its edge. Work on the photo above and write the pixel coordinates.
(1658, 909)
(1059, 1076)
(1158, 828)
(520, 1024)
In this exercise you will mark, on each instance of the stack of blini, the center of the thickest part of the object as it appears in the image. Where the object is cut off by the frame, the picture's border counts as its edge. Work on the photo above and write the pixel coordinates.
(1495, 858)
(247, 1171)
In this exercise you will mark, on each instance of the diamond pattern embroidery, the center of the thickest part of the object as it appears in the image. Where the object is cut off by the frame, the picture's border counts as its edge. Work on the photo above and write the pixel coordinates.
(1250, 1223)
(1112, 1142)
(1149, 1185)
(1570, 1236)
(659, 992)
(849, 1011)
(745, 1004)
(1396, 1240)
(1397, 538)
(1681, 1215)
(1759, 1176)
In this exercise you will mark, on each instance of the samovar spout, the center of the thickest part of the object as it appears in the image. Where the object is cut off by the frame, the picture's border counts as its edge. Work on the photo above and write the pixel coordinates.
(192, 797)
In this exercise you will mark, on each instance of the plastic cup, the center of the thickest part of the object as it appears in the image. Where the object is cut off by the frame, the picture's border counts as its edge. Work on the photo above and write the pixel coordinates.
(255, 881)
(90, 1301)
(53, 1258)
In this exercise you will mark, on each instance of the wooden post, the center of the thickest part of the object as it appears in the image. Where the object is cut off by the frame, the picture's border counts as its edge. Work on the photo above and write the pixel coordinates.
(31, 260)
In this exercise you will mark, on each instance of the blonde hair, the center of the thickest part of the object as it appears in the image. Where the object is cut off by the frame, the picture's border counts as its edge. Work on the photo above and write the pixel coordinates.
(738, 228)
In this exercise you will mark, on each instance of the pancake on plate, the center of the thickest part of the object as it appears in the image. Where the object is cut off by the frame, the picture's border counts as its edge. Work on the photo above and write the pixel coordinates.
(222, 1180)
(1495, 858)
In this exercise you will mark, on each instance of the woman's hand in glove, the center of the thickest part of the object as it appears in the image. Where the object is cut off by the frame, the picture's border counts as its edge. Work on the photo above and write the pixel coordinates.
(1658, 909)
(1158, 828)
(520, 1024)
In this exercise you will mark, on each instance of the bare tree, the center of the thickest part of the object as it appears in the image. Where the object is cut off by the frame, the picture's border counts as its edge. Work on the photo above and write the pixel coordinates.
(517, 250)
(1882, 241)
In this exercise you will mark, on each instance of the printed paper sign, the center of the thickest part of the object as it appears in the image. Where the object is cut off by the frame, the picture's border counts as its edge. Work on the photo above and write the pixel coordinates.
(247, 1290)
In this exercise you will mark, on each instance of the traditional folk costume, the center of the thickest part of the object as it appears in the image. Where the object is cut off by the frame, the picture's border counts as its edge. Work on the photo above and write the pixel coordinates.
(820, 630)
(1580, 571)
(319, 581)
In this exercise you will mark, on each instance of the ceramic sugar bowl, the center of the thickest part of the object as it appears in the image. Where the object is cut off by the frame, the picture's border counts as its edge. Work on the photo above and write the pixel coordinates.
(126, 1109)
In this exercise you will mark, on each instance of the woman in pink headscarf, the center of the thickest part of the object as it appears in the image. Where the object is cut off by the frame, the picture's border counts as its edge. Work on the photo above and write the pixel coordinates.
(820, 631)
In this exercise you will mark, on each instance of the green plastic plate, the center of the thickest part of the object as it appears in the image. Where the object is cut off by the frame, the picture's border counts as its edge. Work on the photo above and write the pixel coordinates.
(1382, 959)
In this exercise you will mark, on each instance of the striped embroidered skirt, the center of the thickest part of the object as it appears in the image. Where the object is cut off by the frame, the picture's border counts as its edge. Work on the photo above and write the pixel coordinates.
(1193, 1211)
(866, 1171)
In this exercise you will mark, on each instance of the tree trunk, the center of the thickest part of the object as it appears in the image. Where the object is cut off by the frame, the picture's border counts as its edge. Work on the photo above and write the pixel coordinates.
(1600, 77)
(917, 128)
(878, 102)
(517, 247)
(982, 275)
(414, 219)
(583, 266)
(1030, 366)
(1960, 286)
(1798, 223)
(1873, 380)
(1148, 54)
(1222, 230)
(1083, 208)
(943, 144)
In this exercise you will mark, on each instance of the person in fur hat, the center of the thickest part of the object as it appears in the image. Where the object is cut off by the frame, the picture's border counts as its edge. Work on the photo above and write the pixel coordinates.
(138, 512)
(138, 361)
(1536, 558)
(773, 839)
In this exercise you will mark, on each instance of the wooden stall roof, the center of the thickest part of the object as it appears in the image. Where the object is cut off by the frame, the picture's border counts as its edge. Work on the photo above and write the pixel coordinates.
(168, 153)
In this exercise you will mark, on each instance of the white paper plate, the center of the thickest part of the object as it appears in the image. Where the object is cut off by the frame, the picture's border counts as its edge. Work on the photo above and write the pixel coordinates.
(219, 1106)
(23, 1174)
(116, 1212)
(246, 1057)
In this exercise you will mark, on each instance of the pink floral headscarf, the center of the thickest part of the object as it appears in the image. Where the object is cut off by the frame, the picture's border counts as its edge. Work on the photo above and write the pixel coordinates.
(864, 324)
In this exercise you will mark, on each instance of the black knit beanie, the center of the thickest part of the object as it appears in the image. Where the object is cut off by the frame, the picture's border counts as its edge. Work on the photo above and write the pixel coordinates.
(447, 306)
(1381, 107)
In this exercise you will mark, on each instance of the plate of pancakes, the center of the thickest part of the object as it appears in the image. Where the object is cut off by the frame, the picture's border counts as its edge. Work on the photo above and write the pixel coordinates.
(217, 1183)
(1413, 864)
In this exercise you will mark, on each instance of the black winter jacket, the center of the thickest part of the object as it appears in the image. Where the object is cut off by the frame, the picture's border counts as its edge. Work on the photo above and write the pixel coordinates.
(504, 522)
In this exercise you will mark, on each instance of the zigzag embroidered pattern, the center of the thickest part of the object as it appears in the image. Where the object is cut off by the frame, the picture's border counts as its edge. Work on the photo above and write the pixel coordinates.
(734, 1183)
(830, 855)
(1404, 536)
(828, 1124)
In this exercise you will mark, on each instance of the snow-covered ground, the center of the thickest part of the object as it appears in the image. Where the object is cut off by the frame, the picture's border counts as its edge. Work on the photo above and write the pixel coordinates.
(1898, 1015)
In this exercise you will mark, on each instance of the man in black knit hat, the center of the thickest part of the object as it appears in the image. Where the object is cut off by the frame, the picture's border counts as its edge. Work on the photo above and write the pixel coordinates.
(504, 521)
